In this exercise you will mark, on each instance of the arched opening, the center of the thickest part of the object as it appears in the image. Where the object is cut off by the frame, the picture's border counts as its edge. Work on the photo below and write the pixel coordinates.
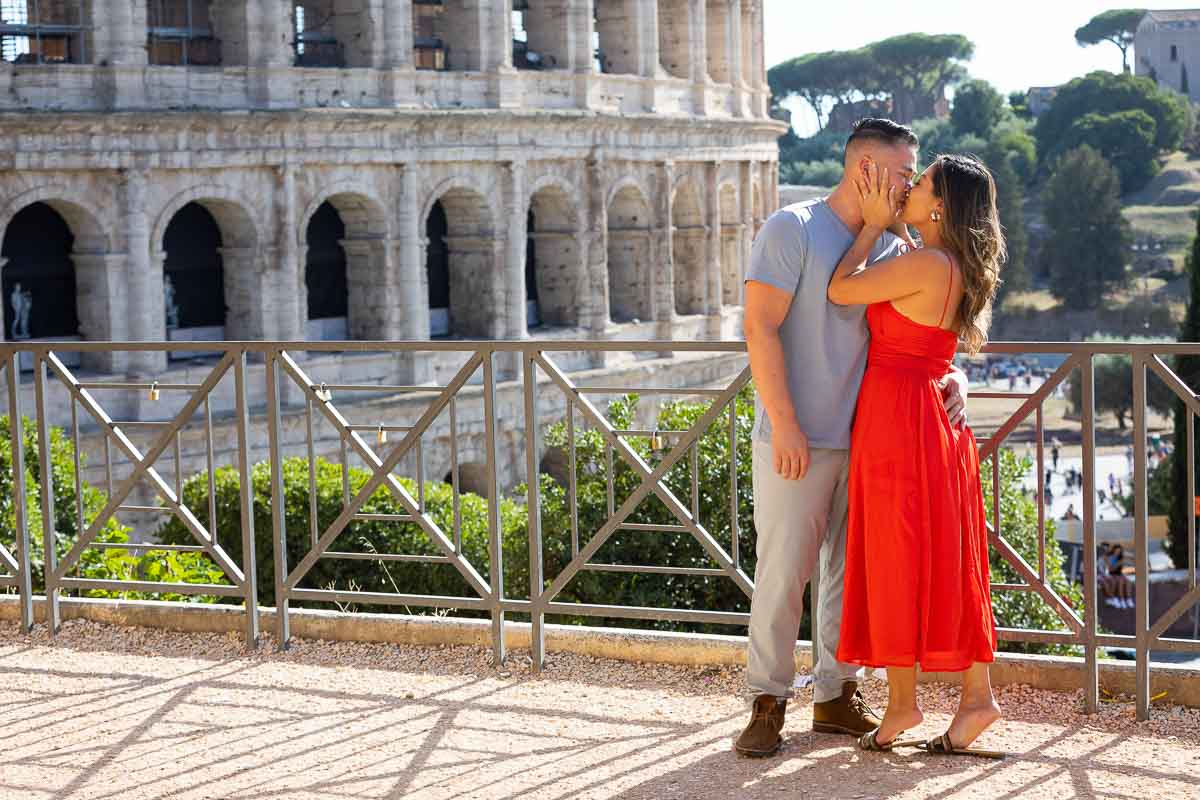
(429, 48)
(674, 47)
(689, 240)
(193, 277)
(553, 276)
(464, 276)
(731, 247)
(437, 269)
(716, 23)
(180, 33)
(328, 33)
(325, 275)
(629, 229)
(39, 276)
(46, 32)
(540, 34)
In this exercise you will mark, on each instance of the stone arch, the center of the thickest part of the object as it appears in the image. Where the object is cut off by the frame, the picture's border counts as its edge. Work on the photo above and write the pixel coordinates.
(731, 245)
(344, 233)
(464, 269)
(689, 236)
(554, 272)
(236, 256)
(83, 269)
(630, 227)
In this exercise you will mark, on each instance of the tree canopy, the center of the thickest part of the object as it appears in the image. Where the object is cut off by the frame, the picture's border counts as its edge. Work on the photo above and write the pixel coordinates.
(1089, 237)
(1117, 26)
(978, 108)
(910, 69)
(1125, 138)
(1061, 127)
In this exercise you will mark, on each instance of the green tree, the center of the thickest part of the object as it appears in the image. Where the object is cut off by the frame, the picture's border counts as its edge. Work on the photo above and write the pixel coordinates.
(1019, 527)
(1113, 377)
(1018, 101)
(822, 79)
(1125, 139)
(1187, 367)
(978, 108)
(1117, 26)
(1108, 93)
(914, 68)
(1010, 198)
(1085, 252)
(1012, 138)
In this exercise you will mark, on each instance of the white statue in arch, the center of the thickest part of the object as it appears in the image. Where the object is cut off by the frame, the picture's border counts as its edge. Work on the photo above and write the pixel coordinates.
(169, 304)
(22, 304)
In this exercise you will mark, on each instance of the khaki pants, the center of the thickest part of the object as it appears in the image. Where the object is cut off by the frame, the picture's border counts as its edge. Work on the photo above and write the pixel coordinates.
(796, 522)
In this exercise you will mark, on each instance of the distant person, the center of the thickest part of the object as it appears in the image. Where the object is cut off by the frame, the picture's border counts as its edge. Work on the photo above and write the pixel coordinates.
(808, 357)
(1070, 513)
(917, 591)
(1054, 454)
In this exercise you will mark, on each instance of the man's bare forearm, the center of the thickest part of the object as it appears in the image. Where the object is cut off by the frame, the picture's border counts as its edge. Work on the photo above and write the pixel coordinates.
(769, 369)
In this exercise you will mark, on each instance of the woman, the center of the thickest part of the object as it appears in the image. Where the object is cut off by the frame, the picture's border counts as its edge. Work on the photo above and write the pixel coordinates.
(917, 587)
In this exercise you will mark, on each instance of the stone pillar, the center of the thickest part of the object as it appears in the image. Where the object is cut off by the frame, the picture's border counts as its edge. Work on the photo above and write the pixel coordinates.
(293, 313)
(759, 79)
(712, 280)
(664, 277)
(516, 324)
(269, 52)
(373, 289)
(399, 79)
(698, 39)
(119, 43)
(414, 285)
(596, 257)
(248, 300)
(143, 280)
(747, 209)
(733, 55)
(102, 305)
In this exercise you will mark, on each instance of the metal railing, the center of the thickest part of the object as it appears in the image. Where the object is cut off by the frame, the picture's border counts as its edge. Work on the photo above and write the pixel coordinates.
(294, 388)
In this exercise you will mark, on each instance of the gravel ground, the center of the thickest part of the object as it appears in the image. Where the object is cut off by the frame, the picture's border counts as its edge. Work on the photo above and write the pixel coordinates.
(131, 713)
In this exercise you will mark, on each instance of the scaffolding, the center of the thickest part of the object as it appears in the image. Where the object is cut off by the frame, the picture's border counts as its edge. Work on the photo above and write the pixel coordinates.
(179, 33)
(43, 31)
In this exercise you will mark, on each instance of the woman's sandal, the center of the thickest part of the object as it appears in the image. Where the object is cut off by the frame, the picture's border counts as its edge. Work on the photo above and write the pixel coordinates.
(942, 745)
(870, 742)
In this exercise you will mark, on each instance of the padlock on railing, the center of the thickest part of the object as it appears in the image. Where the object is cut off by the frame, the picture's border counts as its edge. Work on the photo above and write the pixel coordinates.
(323, 393)
(381, 436)
(656, 442)
(154, 391)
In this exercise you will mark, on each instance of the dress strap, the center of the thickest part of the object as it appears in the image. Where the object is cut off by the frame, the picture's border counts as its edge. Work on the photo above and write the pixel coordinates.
(949, 287)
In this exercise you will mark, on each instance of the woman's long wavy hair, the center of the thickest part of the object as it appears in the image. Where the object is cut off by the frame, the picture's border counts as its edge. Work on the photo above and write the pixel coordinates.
(971, 229)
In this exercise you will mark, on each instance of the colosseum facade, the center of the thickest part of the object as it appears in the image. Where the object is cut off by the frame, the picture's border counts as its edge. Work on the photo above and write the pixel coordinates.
(379, 169)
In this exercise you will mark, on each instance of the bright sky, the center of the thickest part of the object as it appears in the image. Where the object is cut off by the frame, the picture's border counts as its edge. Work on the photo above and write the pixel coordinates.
(1018, 43)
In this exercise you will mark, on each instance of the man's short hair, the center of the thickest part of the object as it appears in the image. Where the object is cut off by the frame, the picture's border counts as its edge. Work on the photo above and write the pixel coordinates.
(875, 129)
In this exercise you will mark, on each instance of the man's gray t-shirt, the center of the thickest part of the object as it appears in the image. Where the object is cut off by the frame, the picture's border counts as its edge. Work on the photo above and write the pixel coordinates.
(824, 345)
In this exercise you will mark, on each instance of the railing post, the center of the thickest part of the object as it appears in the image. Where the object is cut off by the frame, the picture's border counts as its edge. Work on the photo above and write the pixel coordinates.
(495, 544)
(16, 432)
(1087, 416)
(537, 644)
(1141, 549)
(278, 518)
(249, 562)
(46, 478)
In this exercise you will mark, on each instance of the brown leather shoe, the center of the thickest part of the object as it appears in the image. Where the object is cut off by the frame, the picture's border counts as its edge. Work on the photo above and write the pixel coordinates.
(761, 737)
(848, 714)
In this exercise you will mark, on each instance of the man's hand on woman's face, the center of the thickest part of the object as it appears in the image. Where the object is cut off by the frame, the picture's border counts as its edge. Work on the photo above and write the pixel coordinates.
(880, 199)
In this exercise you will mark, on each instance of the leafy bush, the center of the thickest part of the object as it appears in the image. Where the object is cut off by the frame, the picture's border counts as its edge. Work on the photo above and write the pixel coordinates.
(94, 563)
(812, 173)
(1019, 525)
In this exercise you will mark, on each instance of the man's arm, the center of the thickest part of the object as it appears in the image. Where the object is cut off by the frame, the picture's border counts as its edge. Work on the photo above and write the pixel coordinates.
(765, 309)
(954, 386)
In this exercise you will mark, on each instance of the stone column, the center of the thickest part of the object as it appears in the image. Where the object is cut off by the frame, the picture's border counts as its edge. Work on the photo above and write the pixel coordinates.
(293, 313)
(741, 106)
(664, 277)
(399, 79)
(712, 281)
(269, 52)
(747, 209)
(373, 289)
(516, 324)
(119, 42)
(759, 79)
(248, 301)
(596, 257)
(143, 280)
(495, 52)
(414, 284)
(103, 310)
(698, 38)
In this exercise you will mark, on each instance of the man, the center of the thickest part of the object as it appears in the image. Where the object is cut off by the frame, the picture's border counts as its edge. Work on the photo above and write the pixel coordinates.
(808, 357)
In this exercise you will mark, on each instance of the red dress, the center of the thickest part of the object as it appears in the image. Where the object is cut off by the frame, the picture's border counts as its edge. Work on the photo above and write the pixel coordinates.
(917, 587)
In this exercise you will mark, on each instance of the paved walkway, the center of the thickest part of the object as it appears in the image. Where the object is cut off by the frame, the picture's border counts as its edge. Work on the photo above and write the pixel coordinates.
(126, 714)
